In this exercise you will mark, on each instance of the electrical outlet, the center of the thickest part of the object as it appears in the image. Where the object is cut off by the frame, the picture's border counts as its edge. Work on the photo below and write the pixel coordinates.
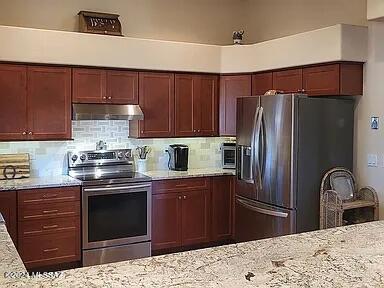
(372, 160)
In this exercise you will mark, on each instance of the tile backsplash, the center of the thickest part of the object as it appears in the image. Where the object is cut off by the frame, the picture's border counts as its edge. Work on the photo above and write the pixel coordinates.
(48, 158)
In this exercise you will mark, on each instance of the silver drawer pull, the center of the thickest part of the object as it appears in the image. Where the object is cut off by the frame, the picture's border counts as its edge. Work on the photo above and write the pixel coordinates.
(50, 211)
(50, 226)
(50, 195)
(50, 250)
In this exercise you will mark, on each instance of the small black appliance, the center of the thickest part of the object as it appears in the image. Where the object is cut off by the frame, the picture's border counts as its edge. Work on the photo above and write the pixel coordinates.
(178, 157)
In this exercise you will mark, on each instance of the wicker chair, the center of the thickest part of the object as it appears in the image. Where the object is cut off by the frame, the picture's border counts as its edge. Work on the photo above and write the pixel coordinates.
(339, 198)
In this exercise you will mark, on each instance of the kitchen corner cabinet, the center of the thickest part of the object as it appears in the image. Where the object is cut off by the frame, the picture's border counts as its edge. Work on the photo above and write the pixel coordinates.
(196, 105)
(288, 81)
(8, 208)
(261, 83)
(35, 102)
(157, 100)
(222, 212)
(180, 213)
(96, 86)
(334, 79)
(231, 87)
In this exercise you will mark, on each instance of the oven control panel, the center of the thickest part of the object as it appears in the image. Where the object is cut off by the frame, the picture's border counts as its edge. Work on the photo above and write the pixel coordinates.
(99, 157)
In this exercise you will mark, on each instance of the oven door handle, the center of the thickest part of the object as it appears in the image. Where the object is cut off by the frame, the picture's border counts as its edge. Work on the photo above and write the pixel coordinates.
(116, 188)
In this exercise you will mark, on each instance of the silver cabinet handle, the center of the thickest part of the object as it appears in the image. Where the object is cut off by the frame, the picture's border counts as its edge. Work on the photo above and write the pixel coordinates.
(262, 210)
(109, 97)
(24, 133)
(179, 197)
(184, 197)
(30, 133)
(104, 97)
(115, 188)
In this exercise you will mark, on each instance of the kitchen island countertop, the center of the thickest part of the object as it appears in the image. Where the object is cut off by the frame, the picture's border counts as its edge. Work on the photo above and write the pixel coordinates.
(190, 173)
(38, 182)
(351, 256)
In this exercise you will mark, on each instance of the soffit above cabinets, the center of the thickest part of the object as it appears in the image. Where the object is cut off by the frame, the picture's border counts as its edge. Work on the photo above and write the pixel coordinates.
(335, 43)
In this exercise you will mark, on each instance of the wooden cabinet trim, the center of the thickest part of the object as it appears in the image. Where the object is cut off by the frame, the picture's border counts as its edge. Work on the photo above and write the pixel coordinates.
(179, 185)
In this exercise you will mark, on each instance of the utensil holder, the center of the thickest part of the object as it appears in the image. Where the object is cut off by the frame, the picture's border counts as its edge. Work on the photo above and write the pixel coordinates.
(142, 165)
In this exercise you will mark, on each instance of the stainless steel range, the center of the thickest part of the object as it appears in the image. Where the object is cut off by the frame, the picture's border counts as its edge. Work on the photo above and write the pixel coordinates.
(116, 206)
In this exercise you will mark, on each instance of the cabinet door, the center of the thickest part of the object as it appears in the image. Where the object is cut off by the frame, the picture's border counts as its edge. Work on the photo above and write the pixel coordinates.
(232, 87)
(49, 103)
(166, 221)
(185, 96)
(8, 210)
(221, 208)
(122, 87)
(261, 83)
(207, 106)
(321, 80)
(89, 85)
(288, 81)
(156, 99)
(13, 102)
(195, 217)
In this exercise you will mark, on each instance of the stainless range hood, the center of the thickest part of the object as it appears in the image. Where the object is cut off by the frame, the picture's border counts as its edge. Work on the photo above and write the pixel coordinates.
(106, 112)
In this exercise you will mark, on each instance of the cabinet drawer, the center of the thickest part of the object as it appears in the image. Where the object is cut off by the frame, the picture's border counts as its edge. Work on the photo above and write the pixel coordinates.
(176, 185)
(52, 195)
(48, 226)
(50, 249)
(49, 210)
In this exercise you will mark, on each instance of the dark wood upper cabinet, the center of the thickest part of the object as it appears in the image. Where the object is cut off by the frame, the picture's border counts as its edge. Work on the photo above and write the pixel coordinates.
(122, 87)
(334, 79)
(157, 100)
(196, 105)
(232, 87)
(13, 102)
(8, 208)
(89, 85)
(195, 217)
(49, 103)
(261, 83)
(166, 221)
(207, 106)
(288, 81)
(221, 208)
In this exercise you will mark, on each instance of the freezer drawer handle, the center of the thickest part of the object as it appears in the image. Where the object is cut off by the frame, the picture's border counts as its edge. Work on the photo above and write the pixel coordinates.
(262, 210)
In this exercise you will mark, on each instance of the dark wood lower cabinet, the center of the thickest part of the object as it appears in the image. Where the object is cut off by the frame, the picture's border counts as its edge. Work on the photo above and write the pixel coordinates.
(8, 208)
(49, 226)
(222, 212)
(192, 212)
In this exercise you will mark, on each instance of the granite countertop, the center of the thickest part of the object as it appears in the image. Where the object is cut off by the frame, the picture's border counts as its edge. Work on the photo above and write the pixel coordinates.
(38, 182)
(201, 172)
(351, 256)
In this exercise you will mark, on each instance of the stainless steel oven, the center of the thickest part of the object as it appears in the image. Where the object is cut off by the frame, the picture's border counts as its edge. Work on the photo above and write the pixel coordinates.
(228, 155)
(116, 207)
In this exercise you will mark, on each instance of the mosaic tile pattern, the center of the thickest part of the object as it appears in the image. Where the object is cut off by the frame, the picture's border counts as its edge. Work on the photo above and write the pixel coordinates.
(48, 157)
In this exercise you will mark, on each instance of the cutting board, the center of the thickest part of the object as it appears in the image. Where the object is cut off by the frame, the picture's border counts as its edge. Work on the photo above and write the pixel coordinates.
(14, 166)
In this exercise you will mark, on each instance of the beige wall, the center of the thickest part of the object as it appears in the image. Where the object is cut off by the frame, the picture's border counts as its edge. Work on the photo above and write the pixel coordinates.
(269, 19)
(201, 21)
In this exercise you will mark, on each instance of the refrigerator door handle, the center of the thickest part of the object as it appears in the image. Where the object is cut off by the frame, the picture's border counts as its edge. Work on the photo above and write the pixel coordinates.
(262, 149)
(261, 210)
(257, 147)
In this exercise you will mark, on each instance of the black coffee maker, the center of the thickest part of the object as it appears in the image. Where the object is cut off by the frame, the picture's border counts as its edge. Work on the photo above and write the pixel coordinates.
(178, 157)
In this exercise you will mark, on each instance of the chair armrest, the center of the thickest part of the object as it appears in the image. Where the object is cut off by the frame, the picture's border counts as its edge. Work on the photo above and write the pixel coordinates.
(367, 193)
(331, 197)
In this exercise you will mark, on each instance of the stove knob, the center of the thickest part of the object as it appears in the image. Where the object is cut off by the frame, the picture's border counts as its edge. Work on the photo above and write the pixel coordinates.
(74, 157)
(127, 154)
(120, 155)
(83, 157)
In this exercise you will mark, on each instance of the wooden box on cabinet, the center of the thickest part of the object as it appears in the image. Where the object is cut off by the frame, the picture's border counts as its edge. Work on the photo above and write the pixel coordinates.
(231, 87)
(35, 102)
(333, 79)
(180, 213)
(49, 226)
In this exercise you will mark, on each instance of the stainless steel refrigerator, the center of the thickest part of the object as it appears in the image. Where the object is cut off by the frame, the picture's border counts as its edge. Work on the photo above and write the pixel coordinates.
(285, 144)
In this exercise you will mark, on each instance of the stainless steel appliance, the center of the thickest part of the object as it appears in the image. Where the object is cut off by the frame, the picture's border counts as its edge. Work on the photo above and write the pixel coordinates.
(106, 112)
(228, 155)
(178, 157)
(285, 143)
(116, 206)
